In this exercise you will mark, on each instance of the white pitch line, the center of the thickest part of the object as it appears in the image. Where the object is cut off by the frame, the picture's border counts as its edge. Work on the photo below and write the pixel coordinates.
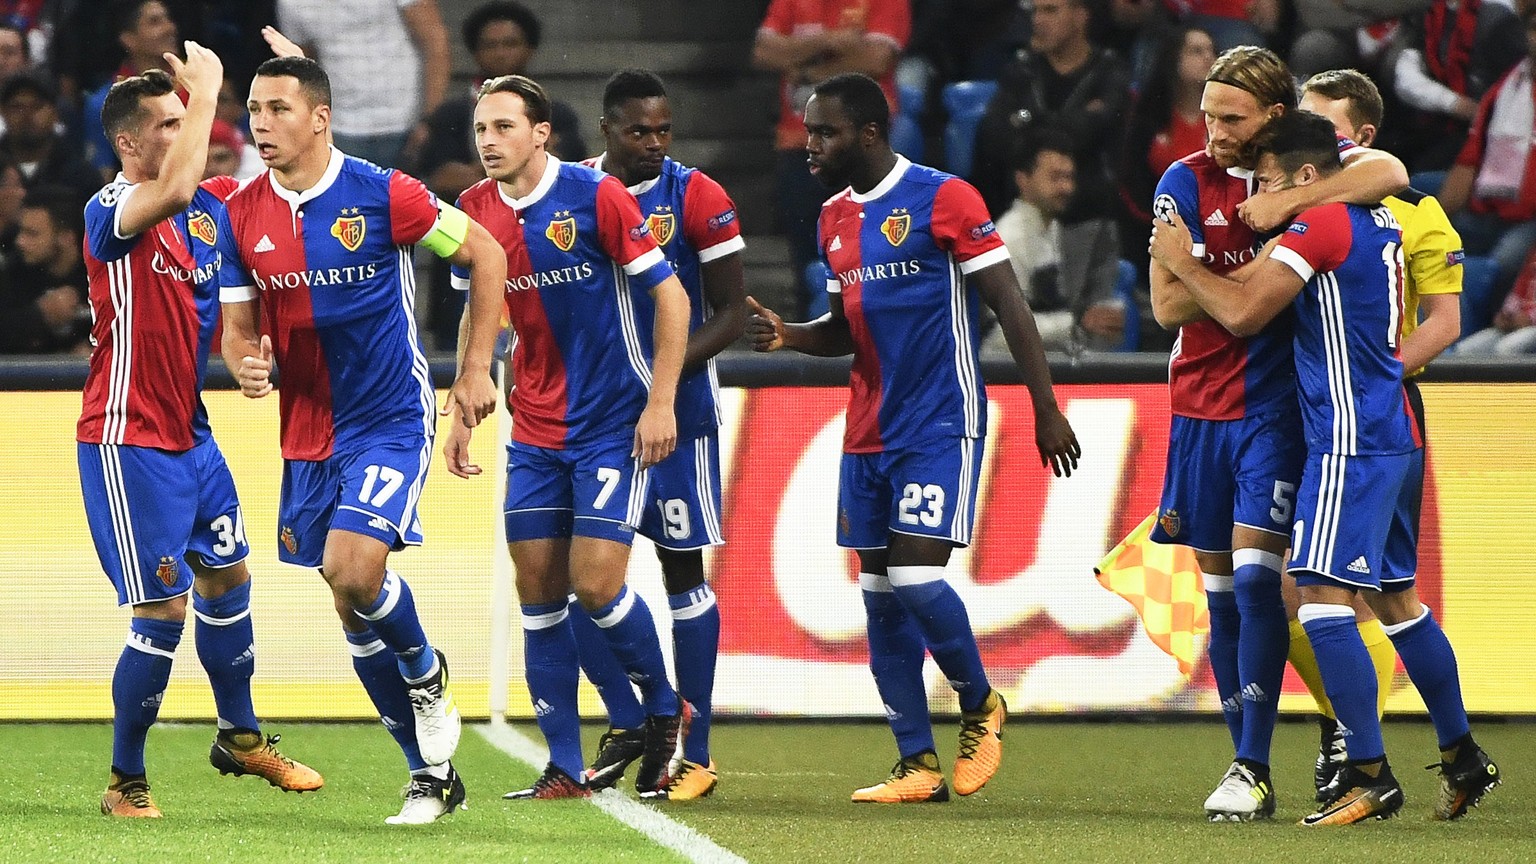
(692, 845)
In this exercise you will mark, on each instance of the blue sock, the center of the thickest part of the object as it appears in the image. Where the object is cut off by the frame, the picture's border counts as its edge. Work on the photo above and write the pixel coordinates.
(553, 671)
(1431, 665)
(946, 627)
(1222, 647)
(695, 646)
(138, 685)
(380, 673)
(896, 654)
(1349, 678)
(604, 671)
(392, 615)
(631, 632)
(226, 646)
(1263, 642)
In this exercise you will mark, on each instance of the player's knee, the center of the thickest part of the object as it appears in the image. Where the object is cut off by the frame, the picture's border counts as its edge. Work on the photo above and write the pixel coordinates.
(353, 585)
(174, 609)
(681, 571)
(594, 594)
(1395, 607)
(211, 583)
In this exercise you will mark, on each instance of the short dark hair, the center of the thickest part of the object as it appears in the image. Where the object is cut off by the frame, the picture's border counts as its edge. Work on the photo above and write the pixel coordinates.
(627, 84)
(862, 100)
(62, 205)
(502, 10)
(312, 79)
(1351, 84)
(535, 100)
(1298, 138)
(28, 82)
(1026, 154)
(124, 105)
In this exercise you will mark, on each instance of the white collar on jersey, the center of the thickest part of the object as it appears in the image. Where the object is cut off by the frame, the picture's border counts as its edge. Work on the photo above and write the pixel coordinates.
(639, 188)
(297, 199)
(1241, 173)
(884, 186)
(546, 182)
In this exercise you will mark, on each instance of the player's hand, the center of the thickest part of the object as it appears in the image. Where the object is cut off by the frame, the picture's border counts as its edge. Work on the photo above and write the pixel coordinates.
(255, 373)
(281, 45)
(1171, 244)
(456, 451)
(765, 328)
(1056, 440)
(474, 396)
(655, 435)
(1267, 211)
(201, 73)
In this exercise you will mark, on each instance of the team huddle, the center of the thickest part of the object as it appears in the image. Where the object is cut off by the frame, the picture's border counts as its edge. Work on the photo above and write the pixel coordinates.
(622, 279)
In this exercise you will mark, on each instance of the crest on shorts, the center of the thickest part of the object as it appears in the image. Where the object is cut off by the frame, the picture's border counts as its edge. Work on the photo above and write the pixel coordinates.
(350, 230)
(201, 226)
(168, 571)
(1169, 520)
(844, 523)
(290, 542)
(897, 226)
(562, 232)
(662, 224)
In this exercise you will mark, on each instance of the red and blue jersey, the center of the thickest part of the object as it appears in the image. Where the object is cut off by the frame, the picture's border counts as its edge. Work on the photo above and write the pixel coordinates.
(154, 308)
(693, 221)
(899, 255)
(579, 257)
(1349, 329)
(333, 267)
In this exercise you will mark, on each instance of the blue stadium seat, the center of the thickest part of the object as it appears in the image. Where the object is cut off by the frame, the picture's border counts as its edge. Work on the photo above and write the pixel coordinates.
(1125, 289)
(906, 128)
(965, 101)
(1428, 182)
(1479, 296)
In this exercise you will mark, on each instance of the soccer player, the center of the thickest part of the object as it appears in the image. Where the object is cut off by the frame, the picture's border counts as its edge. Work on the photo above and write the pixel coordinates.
(325, 241)
(596, 374)
(907, 250)
(1432, 252)
(1233, 456)
(693, 221)
(1340, 267)
(158, 495)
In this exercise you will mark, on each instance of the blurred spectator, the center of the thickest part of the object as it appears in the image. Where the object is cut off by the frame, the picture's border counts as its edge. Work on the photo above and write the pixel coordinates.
(1063, 82)
(44, 289)
(1513, 331)
(1490, 193)
(36, 143)
(1166, 123)
(389, 67)
(1354, 35)
(227, 153)
(1072, 295)
(807, 42)
(1451, 55)
(15, 53)
(1230, 22)
(145, 30)
(962, 40)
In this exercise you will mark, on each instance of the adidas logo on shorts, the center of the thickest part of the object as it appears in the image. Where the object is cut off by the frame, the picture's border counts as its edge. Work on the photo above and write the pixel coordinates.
(1359, 566)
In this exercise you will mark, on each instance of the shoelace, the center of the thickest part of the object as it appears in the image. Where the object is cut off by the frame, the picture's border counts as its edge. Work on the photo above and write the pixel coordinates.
(424, 699)
(270, 748)
(683, 771)
(423, 787)
(972, 733)
(552, 780)
(136, 794)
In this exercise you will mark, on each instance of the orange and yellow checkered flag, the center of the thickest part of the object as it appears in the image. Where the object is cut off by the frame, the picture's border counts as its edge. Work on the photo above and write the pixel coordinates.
(1163, 582)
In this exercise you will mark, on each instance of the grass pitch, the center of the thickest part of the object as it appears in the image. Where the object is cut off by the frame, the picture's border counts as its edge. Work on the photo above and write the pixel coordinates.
(1067, 792)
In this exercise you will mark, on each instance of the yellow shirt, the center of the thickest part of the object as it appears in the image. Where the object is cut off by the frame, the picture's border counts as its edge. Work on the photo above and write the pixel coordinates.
(1431, 249)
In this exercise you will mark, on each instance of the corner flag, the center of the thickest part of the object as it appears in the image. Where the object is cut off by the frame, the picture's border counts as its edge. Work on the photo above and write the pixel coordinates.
(1163, 582)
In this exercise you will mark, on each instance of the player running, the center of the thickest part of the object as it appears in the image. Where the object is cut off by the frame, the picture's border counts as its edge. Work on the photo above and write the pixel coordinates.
(159, 497)
(694, 223)
(1234, 459)
(596, 374)
(326, 241)
(907, 250)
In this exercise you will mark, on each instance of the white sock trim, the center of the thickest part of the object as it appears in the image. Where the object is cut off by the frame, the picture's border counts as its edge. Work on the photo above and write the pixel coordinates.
(1219, 582)
(391, 591)
(701, 600)
(546, 620)
(875, 583)
(139, 642)
(1310, 612)
(366, 650)
(626, 603)
(906, 577)
(1265, 559)
(1394, 629)
(222, 622)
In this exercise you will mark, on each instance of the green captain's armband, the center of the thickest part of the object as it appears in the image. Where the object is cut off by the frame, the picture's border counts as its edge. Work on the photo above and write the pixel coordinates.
(448, 234)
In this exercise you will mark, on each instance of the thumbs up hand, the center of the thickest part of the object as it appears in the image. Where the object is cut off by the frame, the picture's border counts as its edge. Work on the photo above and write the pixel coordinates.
(255, 373)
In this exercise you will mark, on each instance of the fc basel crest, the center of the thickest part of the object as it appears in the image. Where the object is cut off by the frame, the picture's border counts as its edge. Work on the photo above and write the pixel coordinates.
(168, 571)
(350, 230)
(662, 225)
(201, 226)
(562, 232)
(896, 226)
(1169, 520)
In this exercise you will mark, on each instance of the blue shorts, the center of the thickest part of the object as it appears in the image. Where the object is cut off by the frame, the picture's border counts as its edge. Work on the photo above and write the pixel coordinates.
(927, 491)
(592, 490)
(1223, 473)
(1400, 565)
(372, 491)
(149, 508)
(1344, 519)
(684, 500)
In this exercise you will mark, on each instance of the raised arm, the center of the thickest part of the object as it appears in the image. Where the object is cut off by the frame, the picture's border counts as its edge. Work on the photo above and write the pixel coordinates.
(1368, 177)
(169, 193)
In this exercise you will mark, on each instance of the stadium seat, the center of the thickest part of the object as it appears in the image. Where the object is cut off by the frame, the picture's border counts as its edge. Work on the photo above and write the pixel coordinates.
(965, 101)
(1125, 289)
(1428, 182)
(1479, 296)
(906, 126)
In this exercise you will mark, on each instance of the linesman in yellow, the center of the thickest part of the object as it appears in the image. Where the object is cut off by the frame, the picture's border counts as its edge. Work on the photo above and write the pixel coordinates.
(1433, 253)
